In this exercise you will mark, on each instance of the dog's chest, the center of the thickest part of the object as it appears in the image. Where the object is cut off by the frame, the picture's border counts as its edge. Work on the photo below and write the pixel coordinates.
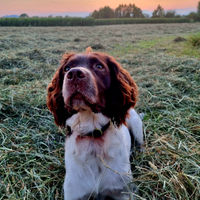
(89, 150)
(95, 160)
(92, 148)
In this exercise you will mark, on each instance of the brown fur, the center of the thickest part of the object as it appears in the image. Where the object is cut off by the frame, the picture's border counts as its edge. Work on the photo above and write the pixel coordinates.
(114, 101)
(55, 101)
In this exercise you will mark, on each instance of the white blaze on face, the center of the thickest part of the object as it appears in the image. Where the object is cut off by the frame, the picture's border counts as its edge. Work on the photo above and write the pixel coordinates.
(82, 91)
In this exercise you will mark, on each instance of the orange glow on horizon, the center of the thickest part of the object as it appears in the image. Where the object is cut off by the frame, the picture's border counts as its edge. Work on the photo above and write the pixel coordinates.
(39, 7)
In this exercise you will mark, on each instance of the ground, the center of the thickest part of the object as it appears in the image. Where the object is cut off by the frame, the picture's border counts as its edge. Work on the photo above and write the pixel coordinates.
(167, 71)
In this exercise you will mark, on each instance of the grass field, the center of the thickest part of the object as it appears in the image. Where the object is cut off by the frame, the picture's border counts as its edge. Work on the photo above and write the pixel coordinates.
(167, 71)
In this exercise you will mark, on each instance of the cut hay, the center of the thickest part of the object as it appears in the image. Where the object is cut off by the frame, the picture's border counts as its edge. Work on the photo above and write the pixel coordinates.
(32, 147)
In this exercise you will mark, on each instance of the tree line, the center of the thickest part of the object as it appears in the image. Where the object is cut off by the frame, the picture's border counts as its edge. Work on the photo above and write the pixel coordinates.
(47, 21)
(24, 15)
(132, 11)
(122, 11)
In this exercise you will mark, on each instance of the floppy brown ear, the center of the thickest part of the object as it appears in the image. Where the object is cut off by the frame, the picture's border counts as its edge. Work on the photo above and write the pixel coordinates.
(124, 93)
(55, 101)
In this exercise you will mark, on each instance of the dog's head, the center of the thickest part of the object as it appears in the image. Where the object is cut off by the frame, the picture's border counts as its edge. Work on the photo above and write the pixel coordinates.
(92, 81)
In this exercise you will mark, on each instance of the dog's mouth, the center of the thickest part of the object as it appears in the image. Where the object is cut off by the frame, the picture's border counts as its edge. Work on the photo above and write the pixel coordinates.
(79, 98)
(80, 101)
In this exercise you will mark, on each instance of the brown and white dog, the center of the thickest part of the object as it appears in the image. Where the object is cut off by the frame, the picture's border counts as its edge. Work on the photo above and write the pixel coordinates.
(94, 96)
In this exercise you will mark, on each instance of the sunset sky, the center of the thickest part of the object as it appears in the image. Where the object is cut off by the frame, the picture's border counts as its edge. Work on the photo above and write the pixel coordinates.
(82, 7)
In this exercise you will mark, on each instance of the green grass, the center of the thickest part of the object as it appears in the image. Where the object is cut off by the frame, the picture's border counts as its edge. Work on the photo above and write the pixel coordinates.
(162, 44)
(194, 40)
(168, 45)
(32, 147)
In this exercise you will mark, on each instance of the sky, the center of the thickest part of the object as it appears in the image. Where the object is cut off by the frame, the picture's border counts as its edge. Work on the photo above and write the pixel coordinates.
(84, 7)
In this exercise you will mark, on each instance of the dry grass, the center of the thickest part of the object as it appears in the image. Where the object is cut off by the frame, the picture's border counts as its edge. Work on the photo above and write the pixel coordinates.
(31, 151)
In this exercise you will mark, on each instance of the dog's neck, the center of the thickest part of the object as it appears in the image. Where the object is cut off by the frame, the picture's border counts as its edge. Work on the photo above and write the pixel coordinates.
(86, 121)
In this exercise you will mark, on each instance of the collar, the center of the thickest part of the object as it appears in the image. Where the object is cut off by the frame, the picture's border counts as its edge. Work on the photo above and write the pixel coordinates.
(96, 133)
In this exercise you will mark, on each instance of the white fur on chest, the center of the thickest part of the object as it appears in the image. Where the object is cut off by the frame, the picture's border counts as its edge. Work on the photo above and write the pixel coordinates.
(85, 157)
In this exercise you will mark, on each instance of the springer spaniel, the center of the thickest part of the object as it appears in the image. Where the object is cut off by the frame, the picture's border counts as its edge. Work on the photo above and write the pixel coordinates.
(93, 96)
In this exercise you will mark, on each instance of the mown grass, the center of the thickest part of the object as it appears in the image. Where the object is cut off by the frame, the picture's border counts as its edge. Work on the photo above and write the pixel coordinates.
(194, 40)
(31, 150)
(187, 46)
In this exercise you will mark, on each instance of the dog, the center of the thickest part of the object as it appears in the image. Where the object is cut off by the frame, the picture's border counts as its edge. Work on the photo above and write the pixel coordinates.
(94, 98)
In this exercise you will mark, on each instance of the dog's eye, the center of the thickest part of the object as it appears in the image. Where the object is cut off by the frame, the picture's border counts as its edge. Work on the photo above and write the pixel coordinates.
(100, 67)
(67, 68)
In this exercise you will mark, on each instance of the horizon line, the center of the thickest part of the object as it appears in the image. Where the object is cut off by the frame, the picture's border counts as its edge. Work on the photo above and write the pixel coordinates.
(182, 11)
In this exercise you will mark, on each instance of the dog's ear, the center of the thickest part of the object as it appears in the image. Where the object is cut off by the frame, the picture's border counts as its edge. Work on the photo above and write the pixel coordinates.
(124, 92)
(55, 101)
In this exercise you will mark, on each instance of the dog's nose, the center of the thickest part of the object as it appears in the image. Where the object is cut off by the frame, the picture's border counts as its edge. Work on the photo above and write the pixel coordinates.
(74, 74)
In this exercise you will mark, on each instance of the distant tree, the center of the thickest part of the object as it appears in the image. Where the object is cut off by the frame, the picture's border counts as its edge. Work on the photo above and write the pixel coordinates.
(128, 11)
(146, 15)
(35, 17)
(159, 12)
(170, 14)
(67, 16)
(118, 11)
(95, 14)
(198, 11)
(178, 16)
(105, 12)
(198, 8)
(137, 12)
(24, 15)
(193, 16)
(50, 16)
(123, 11)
